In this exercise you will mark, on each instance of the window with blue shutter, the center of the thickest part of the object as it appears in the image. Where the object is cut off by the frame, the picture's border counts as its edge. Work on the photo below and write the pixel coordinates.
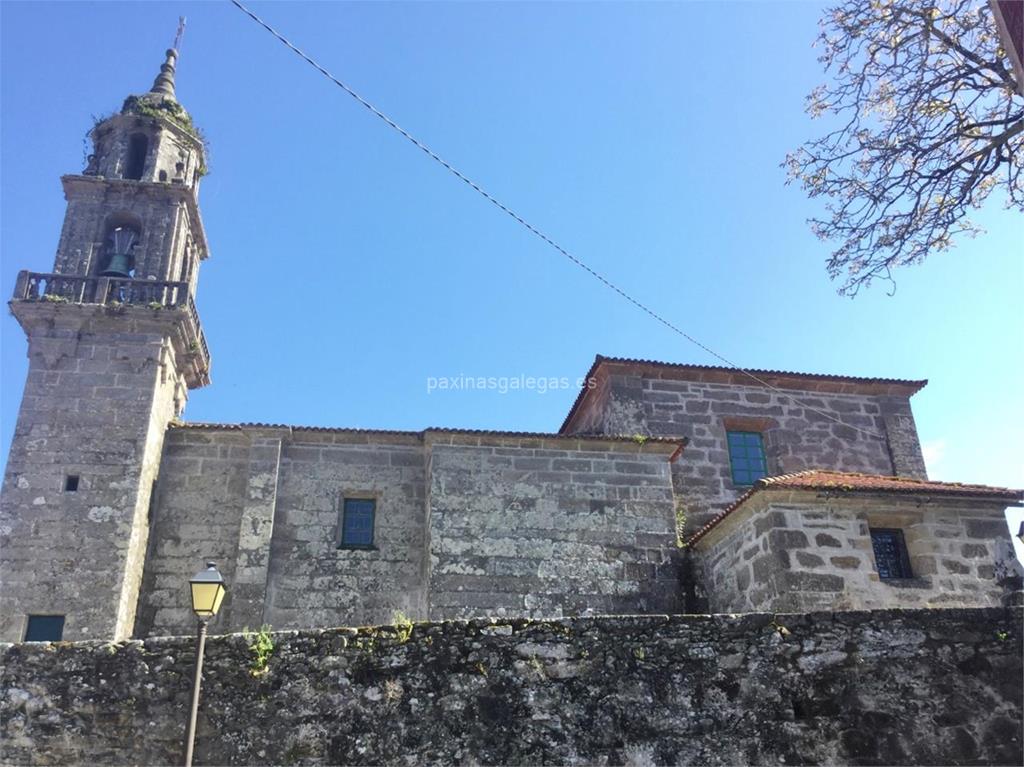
(357, 518)
(746, 456)
(891, 557)
(44, 628)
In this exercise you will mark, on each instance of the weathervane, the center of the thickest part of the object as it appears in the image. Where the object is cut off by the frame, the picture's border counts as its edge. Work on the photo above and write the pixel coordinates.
(179, 34)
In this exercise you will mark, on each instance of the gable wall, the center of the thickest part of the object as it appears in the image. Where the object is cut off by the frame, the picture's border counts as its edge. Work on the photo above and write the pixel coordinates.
(795, 437)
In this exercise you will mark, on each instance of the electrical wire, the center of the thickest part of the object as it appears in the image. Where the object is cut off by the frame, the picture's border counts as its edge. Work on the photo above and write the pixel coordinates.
(534, 230)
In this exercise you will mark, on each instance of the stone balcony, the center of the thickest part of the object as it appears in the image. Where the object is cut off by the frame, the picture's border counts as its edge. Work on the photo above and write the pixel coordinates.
(116, 296)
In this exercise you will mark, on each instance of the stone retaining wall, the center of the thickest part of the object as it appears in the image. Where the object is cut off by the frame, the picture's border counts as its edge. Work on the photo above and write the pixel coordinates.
(887, 687)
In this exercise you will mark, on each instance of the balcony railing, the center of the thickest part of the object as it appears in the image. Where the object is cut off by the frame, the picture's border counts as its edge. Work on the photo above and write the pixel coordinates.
(76, 289)
(112, 291)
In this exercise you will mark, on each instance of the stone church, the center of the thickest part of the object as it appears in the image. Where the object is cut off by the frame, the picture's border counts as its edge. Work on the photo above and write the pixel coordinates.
(668, 488)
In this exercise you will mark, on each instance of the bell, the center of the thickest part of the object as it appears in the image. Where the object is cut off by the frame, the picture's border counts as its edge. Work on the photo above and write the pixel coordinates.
(118, 266)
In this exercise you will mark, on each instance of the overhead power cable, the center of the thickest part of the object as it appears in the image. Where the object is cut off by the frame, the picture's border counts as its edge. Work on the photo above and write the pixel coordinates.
(534, 230)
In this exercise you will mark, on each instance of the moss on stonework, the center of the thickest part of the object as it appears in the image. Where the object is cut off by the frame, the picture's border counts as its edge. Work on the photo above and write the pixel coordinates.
(173, 112)
(163, 109)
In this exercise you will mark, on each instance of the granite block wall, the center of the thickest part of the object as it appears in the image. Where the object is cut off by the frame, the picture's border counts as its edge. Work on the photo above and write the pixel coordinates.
(313, 582)
(913, 687)
(542, 528)
(101, 387)
(796, 552)
(795, 437)
(165, 216)
(197, 515)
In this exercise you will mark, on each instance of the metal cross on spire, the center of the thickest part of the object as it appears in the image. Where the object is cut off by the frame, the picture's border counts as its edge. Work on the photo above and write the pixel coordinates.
(179, 34)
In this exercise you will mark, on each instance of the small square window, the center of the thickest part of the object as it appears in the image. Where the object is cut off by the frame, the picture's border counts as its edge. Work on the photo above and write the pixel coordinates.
(891, 557)
(357, 519)
(71, 483)
(44, 628)
(746, 456)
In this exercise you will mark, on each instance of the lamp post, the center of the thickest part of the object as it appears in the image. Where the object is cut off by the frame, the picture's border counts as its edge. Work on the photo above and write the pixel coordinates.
(208, 591)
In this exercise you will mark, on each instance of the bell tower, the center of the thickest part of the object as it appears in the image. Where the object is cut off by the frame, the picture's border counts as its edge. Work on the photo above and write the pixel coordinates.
(114, 346)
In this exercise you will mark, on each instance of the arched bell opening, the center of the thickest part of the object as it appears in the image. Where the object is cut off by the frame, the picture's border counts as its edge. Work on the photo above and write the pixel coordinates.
(138, 149)
(122, 235)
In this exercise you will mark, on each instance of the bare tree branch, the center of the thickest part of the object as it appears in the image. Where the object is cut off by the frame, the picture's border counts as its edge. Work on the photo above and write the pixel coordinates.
(929, 116)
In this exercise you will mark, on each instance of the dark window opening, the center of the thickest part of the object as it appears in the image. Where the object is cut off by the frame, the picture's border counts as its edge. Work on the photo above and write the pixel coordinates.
(44, 628)
(71, 483)
(891, 557)
(151, 511)
(357, 518)
(163, 175)
(138, 148)
(746, 456)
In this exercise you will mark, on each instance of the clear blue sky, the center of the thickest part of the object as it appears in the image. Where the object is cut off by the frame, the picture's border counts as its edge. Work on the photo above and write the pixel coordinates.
(346, 268)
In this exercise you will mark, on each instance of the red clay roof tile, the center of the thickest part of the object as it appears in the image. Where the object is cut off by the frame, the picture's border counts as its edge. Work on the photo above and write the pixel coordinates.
(844, 482)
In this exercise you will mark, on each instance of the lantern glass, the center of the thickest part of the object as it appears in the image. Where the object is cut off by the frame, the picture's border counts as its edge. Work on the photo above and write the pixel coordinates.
(207, 591)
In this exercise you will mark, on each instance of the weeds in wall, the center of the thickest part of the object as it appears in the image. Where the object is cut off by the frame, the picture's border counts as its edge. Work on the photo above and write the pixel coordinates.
(680, 524)
(393, 691)
(403, 626)
(261, 645)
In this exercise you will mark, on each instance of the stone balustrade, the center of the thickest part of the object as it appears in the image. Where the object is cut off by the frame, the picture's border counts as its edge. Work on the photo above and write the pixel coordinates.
(110, 291)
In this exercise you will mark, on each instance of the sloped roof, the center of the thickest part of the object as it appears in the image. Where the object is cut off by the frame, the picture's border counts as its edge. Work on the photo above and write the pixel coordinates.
(845, 482)
(677, 442)
(785, 379)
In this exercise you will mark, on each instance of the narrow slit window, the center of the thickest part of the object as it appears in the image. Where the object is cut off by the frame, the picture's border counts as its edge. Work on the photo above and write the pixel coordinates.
(44, 628)
(71, 483)
(357, 519)
(746, 457)
(891, 557)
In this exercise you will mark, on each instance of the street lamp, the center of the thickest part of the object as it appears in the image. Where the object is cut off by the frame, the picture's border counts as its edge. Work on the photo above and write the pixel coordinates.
(208, 591)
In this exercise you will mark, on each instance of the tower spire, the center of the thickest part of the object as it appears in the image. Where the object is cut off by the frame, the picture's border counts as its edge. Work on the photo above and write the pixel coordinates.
(164, 83)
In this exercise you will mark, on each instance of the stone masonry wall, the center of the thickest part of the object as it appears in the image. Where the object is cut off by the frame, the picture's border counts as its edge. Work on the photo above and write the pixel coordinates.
(101, 388)
(196, 517)
(311, 580)
(542, 528)
(159, 211)
(795, 437)
(922, 687)
(793, 551)
(505, 525)
(265, 505)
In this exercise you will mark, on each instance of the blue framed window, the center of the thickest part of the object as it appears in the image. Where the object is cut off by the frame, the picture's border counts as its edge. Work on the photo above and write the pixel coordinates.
(746, 456)
(891, 557)
(357, 518)
(44, 628)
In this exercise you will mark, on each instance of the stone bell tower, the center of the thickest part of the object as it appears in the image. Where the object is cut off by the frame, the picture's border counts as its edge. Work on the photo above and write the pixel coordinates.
(114, 345)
